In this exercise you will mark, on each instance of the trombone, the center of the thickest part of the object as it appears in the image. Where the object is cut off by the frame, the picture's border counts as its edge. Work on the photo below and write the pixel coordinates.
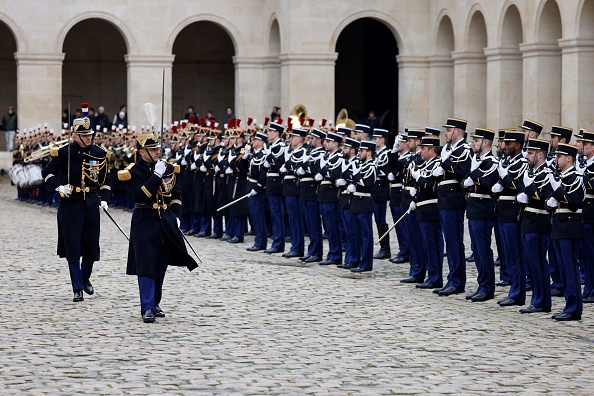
(45, 151)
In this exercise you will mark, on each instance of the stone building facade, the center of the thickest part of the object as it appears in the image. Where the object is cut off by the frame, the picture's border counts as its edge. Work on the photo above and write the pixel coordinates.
(493, 62)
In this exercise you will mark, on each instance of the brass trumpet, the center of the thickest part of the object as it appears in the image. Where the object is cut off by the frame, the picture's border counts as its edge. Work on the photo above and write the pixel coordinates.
(45, 151)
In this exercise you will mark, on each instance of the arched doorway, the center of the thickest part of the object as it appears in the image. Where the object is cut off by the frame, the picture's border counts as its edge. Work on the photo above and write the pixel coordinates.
(203, 70)
(273, 69)
(442, 75)
(8, 71)
(94, 67)
(366, 73)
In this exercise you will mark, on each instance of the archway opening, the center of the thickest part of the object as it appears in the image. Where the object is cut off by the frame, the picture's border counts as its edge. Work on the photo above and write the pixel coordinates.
(273, 80)
(442, 74)
(366, 73)
(475, 73)
(203, 70)
(510, 72)
(94, 68)
(8, 71)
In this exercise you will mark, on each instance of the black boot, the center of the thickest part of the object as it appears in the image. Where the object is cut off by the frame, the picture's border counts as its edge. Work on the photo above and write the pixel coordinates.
(384, 252)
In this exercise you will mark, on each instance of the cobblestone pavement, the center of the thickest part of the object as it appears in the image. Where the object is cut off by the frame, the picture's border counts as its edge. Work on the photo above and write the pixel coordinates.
(251, 323)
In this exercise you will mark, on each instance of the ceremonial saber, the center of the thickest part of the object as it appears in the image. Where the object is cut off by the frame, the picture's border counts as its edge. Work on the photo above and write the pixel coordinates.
(115, 222)
(193, 251)
(233, 202)
(394, 225)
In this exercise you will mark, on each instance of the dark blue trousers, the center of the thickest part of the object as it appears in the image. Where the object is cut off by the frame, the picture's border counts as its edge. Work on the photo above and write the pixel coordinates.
(452, 225)
(567, 253)
(536, 246)
(314, 227)
(277, 219)
(503, 272)
(365, 230)
(418, 257)
(206, 224)
(480, 236)
(510, 236)
(151, 289)
(379, 212)
(331, 218)
(256, 206)
(401, 232)
(185, 221)
(352, 252)
(432, 242)
(556, 282)
(588, 255)
(81, 271)
(295, 224)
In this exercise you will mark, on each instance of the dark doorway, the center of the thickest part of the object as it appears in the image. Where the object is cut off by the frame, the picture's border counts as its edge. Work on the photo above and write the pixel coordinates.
(366, 75)
(8, 71)
(203, 71)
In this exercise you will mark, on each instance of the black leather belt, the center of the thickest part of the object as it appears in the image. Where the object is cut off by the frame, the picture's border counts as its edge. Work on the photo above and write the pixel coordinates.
(152, 206)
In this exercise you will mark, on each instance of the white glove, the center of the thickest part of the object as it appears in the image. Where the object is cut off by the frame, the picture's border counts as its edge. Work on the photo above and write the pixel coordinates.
(103, 205)
(64, 191)
(552, 203)
(356, 169)
(413, 191)
(318, 177)
(391, 176)
(228, 171)
(340, 182)
(468, 182)
(196, 156)
(412, 207)
(300, 171)
(203, 168)
(184, 162)
(193, 166)
(231, 157)
(522, 198)
(524, 153)
(397, 141)
(351, 188)
(550, 162)
(187, 150)
(527, 179)
(323, 162)
(217, 169)
(502, 170)
(497, 188)
(283, 169)
(204, 156)
(554, 183)
(445, 153)
(266, 164)
(247, 149)
(474, 164)
(160, 167)
(437, 172)
(252, 193)
(178, 222)
(178, 156)
(267, 150)
(416, 174)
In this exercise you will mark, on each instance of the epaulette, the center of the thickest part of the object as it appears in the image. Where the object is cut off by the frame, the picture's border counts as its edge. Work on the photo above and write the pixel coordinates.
(124, 175)
(176, 168)
(107, 152)
(54, 151)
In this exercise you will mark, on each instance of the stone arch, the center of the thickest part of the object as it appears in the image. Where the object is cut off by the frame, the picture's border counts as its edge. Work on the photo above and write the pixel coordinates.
(550, 24)
(274, 37)
(445, 41)
(512, 31)
(441, 72)
(476, 37)
(586, 20)
(272, 66)
(21, 44)
(8, 71)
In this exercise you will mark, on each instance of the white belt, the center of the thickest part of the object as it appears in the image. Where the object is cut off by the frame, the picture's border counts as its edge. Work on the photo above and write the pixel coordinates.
(362, 194)
(451, 181)
(590, 196)
(534, 210)
(252, 180)
(507, 198)
(307, 179)
(326, 182)
(563, 210)
(475, 195)
(345, 192)
(273, 174)
(427, 202)
(395, 185)
(290, 177)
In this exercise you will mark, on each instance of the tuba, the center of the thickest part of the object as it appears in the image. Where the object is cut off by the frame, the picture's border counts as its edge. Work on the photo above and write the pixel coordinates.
(343, 120)
(298, 113)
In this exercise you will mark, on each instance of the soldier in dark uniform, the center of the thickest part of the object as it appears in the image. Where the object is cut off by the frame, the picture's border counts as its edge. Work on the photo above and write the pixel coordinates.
(535, 224)
(381, 191)
(362, 205)
(84, 187)
(275, 158)
(155, 238)
(256, 182)
(398, 160)
(511, 172)
(566, 204)
(480, 211)
(588, 216)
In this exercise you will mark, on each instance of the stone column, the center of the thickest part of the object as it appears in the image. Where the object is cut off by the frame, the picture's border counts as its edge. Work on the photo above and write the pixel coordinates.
(308, 79)
(413, 91)
(272, 77)
(577, 97)
(541, 87)
(39, 89)
(470, 93)
(504, 88)
(250, 88)
(441, 89)
(145, 84)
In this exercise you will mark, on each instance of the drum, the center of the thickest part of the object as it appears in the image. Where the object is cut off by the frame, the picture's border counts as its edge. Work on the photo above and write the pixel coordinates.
(18, 175)
(34, 178)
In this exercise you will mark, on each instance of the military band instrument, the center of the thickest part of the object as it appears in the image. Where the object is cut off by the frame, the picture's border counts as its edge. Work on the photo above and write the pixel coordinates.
(393, 226)
(45, 151)
(298, 115)
(343, 120)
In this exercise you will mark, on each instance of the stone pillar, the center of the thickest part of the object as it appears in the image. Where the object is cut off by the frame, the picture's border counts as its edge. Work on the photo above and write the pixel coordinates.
(441, 89)
(504, 88)
(145, 84)
(308, 79)
(39, 89)
(577, 97)
(271, 75)
(470, 94)
(541, 87)
(250, 89)
(413, 91)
